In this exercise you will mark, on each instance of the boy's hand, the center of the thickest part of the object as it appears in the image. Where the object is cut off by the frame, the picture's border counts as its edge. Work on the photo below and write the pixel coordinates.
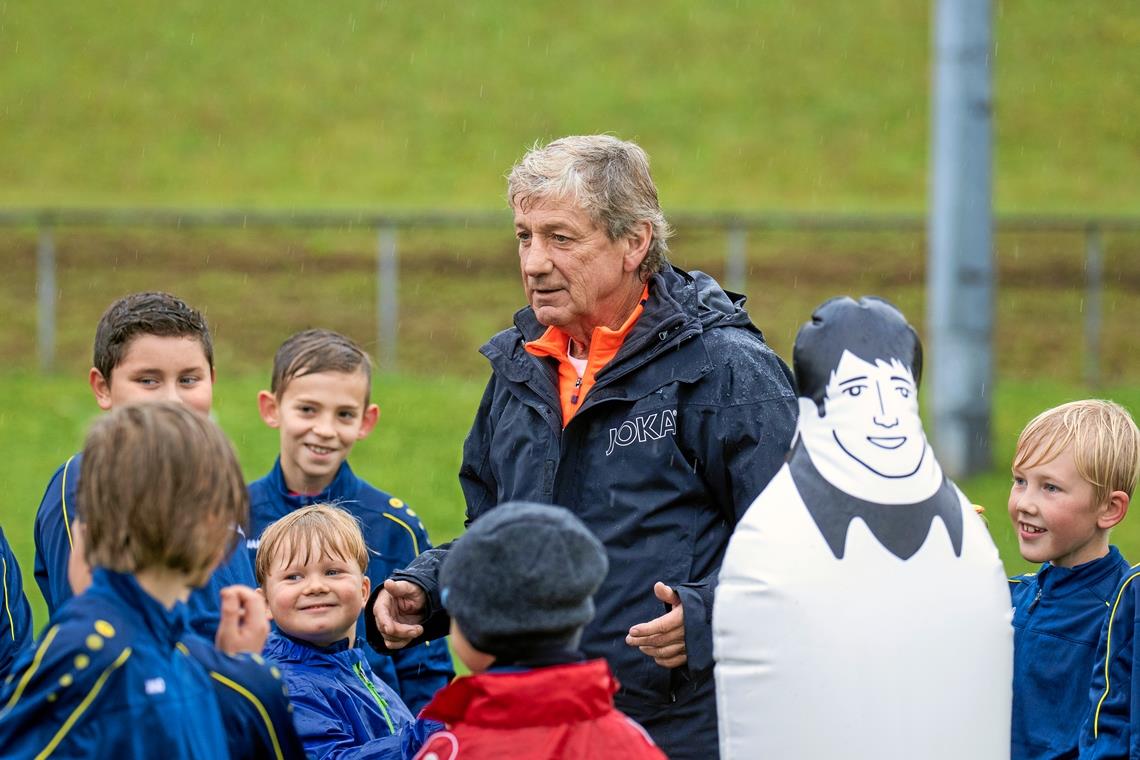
(663, 638)
(244, 624)
(399, 610)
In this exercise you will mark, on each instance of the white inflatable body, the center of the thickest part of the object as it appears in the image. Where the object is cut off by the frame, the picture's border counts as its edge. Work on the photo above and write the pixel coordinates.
(838, 634)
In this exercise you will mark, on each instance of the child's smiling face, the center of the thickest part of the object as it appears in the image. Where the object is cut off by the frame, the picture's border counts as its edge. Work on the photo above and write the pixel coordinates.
(320, 417)
(316, 596)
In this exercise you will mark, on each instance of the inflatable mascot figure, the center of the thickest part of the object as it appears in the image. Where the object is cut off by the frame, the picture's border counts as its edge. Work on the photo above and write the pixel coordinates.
(862, 610)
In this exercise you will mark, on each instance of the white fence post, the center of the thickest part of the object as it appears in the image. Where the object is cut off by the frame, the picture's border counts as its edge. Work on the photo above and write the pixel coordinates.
(736, 264)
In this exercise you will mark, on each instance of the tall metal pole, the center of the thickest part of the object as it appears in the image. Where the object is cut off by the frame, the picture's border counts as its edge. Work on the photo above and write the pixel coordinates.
(960, 271)
(387, 298)
(45, 299)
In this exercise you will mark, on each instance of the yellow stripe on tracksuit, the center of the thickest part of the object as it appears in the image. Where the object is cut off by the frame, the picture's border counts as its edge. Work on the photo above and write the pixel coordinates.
(63, 501)
(248, 695)
(1108, 649)
(31, 671)
(412, 533)
(11, 625)
(260, 710)
(77, 713)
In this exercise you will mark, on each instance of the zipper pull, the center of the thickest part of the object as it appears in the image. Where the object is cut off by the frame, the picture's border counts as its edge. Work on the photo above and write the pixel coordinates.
(1036, 599)
(577, 385)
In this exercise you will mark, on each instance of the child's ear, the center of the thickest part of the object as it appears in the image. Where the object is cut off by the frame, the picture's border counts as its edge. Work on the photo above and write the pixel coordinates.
(1114, 511)
(366, 587)
(101, 387)
(371, 416)
(268, 612)
(269, 409)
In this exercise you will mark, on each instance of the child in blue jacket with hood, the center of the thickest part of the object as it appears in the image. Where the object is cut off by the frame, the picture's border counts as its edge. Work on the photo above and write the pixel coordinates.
(115, 674)
(310, 566)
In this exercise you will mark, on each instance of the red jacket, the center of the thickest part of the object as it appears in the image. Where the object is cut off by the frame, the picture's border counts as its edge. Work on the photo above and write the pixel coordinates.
(563, 711)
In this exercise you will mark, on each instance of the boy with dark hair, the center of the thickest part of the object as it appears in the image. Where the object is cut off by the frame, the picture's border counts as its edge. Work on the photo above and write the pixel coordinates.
(15, 615)
(310, 567)
(148, 347)
(114, 675)
(1074, 473)
(519, 589)
(320, 401)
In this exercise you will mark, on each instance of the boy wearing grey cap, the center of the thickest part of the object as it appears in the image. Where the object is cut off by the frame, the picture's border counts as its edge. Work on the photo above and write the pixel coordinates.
(518, 587)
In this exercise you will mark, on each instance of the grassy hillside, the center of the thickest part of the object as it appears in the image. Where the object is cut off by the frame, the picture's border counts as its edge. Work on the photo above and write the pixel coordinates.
(775, 104)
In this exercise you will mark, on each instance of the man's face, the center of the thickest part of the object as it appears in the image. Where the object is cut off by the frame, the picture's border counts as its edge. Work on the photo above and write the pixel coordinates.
(320, 416)
(872, 410)
(575, 277)
(158, 368)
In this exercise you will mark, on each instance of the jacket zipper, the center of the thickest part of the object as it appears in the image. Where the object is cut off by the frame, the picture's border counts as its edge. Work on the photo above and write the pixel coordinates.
(1036, 599)
(359, 671)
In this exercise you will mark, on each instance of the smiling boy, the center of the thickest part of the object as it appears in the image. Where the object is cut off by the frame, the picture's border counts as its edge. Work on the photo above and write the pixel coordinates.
(319, 401)
(1073, 476)
(148, 346)
(310, 567)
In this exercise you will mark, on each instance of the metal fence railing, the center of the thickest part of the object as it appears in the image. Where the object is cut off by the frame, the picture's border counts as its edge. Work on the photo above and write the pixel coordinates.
(387, 227)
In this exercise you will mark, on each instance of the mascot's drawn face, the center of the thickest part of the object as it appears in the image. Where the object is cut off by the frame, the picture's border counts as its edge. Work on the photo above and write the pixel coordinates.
(872, 410)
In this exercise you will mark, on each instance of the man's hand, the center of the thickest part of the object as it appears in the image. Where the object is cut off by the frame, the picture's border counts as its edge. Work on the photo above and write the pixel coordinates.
(662, 638)
(399, 612)
(244, 623)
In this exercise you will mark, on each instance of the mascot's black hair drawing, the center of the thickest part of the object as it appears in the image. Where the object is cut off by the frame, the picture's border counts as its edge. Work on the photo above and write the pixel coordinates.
(870, 328)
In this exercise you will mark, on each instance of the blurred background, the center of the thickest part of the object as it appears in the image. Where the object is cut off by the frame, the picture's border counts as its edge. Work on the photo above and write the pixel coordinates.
(343, 165)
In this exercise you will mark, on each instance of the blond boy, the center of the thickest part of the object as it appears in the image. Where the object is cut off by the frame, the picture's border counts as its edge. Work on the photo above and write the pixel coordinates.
(310, 567)
(1074, 473)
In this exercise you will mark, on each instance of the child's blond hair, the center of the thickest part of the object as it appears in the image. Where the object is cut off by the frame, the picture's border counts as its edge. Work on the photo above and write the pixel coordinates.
(319, 530)
(1102, 436)
(160, 488)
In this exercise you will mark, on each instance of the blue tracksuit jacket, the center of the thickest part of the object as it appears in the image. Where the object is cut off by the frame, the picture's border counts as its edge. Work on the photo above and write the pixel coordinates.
(108, 680)
(395, 537)
(253, 700)
(1057, 620)
(340, 708)
(58, 509)
(1112, 728)
(15, 615)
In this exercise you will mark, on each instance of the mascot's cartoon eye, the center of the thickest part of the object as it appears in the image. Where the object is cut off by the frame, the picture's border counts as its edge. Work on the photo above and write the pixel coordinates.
(854, 390)
(903, 391)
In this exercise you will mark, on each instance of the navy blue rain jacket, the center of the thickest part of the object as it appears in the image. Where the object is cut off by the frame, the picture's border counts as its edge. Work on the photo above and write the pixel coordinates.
(1112, 728)
(109, 680)
(340, 708)
(254, 702)
(15, 615)
(679, 434)
(58, 509)
(1057, 620)
(395, 537)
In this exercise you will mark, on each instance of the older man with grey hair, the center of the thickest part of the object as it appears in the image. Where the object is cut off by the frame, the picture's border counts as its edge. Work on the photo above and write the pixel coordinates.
(637, 395)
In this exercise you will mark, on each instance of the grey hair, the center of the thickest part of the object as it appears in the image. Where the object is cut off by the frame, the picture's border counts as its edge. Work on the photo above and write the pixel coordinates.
(607, 177)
